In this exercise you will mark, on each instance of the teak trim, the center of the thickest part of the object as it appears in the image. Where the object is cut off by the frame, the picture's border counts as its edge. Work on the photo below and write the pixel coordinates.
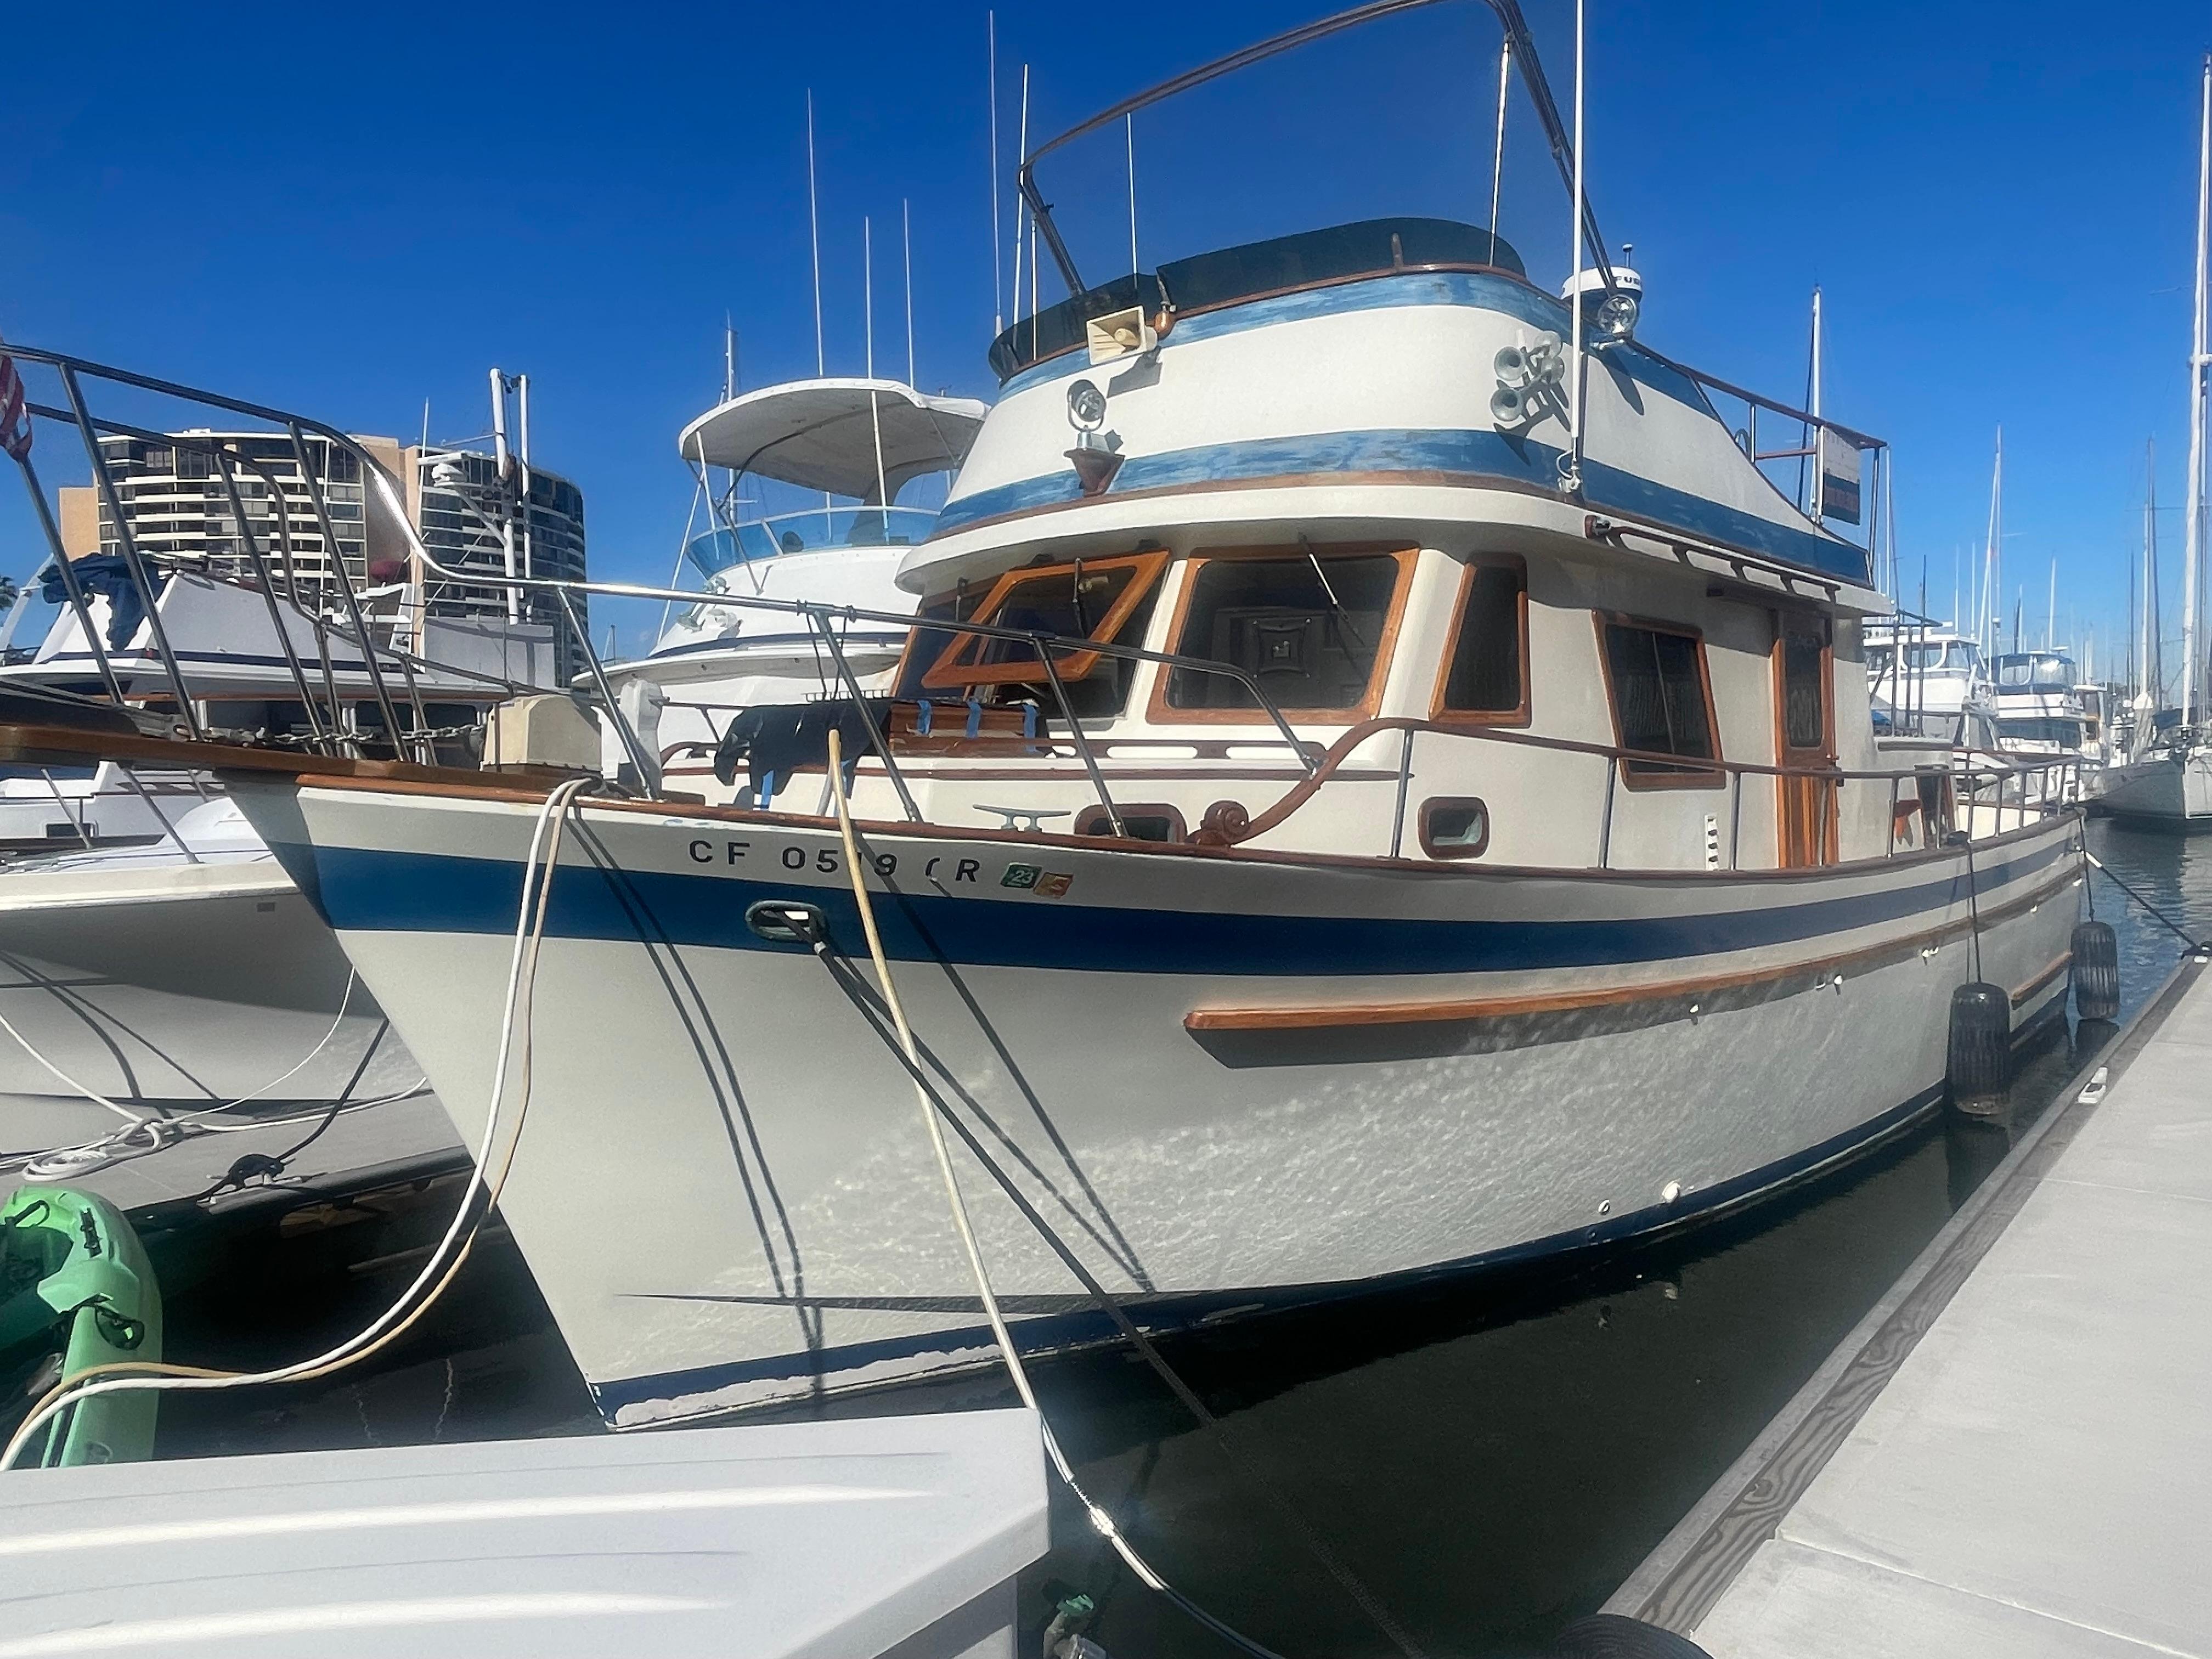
(1459, 1009)
(1443, 712)
(1700, 772)
(1159, 712)
(949, 672)
(2057, 965)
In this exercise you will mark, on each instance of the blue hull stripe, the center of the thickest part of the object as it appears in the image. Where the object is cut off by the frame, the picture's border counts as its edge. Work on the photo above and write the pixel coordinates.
(360, 889)
(1473, 455)
(1414, 287)
(1069, 1330)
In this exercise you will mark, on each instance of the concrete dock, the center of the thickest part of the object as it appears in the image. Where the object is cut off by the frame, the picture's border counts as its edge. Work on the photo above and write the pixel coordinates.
(2012, 1454)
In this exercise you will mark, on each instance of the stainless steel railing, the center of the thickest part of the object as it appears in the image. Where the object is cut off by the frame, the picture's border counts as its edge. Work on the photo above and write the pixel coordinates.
(822, 619)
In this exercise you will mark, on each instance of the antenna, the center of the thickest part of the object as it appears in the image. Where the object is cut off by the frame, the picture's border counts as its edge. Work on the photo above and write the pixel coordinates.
(426, 422)
(1129, 130)
(906, 245)
(1571, 470)
(1018, 216)
(729, 358)
(875, 413)
(814, 232)
(1021, 202)
(1497, 156)
(998, 292)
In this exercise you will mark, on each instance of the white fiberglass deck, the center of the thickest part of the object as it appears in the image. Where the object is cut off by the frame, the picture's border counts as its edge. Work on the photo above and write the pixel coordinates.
(2035, 1481)
(842, 1539)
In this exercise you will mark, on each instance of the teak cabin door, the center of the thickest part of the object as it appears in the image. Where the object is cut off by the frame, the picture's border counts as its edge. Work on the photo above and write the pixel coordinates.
(1804, 735)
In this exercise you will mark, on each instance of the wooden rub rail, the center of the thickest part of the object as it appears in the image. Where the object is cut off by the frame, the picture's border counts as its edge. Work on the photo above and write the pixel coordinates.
(1440, 1011)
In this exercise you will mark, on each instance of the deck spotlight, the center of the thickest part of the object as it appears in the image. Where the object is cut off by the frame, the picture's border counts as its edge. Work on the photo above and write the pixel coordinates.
(1086, 407)
(1097, 456)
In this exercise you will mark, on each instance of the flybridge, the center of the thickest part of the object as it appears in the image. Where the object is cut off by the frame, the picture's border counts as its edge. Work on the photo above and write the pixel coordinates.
(1281, 264)
(1549, 392)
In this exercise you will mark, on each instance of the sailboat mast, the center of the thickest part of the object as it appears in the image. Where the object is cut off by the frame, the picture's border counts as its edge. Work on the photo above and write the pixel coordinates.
(1992, 619)
(2194, 546)
(2153, 646)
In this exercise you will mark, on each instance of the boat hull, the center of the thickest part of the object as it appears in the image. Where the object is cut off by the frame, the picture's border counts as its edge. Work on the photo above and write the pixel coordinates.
(170, 988)
(1224, 1079)
(2161, 792)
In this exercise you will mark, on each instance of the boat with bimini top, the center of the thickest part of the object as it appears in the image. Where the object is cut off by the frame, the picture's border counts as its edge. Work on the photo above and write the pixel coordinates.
(862, 439)
(1383, 784)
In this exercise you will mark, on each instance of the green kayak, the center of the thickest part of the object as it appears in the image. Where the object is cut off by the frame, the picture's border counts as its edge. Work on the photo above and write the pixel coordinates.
(75, 1286)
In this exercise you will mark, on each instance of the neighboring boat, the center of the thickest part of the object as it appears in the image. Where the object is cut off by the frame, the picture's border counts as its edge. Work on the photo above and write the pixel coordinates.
(2043, 714)
(236, 671)
(2166, 782)
(861, 439)
(1386, 784)
(178, 980)
(1924, 678)
(156, 964)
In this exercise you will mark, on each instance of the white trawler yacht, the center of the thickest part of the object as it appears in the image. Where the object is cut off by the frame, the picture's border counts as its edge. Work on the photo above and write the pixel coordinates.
(861, 439)
(1927, 679)
(1387, 785)
(2043, 712)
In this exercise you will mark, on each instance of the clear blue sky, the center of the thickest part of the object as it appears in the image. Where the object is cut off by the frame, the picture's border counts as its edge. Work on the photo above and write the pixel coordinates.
(346, 213)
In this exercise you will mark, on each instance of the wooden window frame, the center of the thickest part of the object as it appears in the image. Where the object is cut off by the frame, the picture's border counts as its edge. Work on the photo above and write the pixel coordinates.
(1711, 773)
(1783, 618)
(1454, 850)
(1159, 712)
(947, 674)
(1518, 715)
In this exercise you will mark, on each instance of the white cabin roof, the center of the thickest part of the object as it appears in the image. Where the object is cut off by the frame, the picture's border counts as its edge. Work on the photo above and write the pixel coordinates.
(821, 435)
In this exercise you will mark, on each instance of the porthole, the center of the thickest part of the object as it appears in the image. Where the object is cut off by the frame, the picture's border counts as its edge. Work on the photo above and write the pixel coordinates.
(1455, 827)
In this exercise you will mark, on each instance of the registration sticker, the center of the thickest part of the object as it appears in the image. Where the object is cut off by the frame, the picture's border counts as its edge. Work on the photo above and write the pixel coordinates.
(1053, 886)
(1020, 875)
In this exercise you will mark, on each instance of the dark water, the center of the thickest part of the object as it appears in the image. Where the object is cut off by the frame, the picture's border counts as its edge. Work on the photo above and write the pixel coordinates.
(1487, 1458)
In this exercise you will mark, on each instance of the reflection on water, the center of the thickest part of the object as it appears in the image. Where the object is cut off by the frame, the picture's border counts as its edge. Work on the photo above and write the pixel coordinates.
(1488, 1457)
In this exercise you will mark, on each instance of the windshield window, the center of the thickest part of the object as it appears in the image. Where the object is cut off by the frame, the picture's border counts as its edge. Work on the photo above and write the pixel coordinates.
(1102, 599)
(1309, 627)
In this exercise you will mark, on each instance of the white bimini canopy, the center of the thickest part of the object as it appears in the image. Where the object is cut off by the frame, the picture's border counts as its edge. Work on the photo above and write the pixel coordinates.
(821, 435)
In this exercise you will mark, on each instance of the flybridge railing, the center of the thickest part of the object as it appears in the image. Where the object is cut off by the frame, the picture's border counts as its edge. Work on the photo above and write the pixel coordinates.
(1847, 479)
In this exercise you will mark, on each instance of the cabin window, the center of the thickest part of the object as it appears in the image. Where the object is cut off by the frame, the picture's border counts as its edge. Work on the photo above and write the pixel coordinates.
(1485, 678)
(1662, 701)
(1106, 600)
(1313, 630)
(925, 644)
(1804, 690)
